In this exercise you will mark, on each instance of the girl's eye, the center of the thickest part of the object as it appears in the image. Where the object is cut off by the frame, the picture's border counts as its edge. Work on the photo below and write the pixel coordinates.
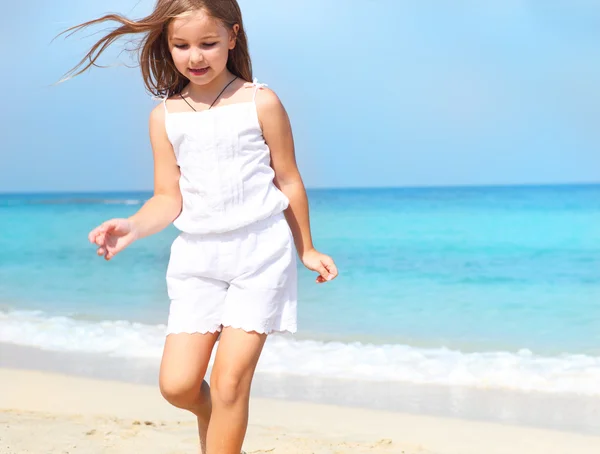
(180, 46)
(209, 44)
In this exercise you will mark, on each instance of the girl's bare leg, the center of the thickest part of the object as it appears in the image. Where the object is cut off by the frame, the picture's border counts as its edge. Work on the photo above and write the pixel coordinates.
(230, 381)
(182, 370)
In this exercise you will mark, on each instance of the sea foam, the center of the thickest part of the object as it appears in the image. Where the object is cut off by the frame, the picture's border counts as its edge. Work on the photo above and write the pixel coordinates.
(522, 370)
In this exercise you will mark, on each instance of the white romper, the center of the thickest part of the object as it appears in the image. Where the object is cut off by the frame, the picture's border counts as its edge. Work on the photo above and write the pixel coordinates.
(234, 263)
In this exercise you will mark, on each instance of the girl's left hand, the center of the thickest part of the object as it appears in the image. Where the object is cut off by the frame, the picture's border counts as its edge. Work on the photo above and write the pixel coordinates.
(322, 264)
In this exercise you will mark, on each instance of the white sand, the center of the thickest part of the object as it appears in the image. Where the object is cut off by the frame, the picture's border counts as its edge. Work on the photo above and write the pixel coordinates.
(44, 413)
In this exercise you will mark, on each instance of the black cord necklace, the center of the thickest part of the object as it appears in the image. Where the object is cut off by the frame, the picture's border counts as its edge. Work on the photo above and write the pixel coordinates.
(216, 99)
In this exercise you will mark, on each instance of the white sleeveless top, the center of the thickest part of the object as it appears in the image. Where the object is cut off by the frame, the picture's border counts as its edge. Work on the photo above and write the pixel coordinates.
(226, 177)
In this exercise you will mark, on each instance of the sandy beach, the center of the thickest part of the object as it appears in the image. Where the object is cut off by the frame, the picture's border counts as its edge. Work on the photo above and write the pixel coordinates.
(42, 412)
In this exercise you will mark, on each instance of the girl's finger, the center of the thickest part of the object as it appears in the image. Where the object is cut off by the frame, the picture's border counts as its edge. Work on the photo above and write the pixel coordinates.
(93, 234)
(331, 268)
(101, 251)
(109, 226)
(331, 272)
(322, 271)
(97, 231)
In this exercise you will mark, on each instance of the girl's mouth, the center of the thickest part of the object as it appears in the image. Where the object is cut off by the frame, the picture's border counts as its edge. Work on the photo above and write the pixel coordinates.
(198, 72)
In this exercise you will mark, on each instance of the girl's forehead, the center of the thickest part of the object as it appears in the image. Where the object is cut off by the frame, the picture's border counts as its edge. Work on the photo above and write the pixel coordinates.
(195, 24)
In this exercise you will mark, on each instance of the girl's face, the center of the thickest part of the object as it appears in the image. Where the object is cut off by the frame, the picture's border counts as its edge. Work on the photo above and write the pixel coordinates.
(200, 46)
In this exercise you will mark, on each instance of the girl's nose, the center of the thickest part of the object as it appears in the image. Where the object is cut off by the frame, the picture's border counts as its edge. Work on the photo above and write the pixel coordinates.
(196, 56)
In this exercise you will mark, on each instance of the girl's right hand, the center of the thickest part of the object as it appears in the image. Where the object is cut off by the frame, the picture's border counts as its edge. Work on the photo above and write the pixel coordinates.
(113, 236)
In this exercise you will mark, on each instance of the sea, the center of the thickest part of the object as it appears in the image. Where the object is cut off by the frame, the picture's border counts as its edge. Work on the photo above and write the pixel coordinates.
(477, 287)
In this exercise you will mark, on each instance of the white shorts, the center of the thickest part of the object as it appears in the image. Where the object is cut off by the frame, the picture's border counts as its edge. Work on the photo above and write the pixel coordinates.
(245, 278)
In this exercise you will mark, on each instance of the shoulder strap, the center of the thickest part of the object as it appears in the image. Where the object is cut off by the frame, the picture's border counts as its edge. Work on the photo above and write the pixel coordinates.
(163, 99)
(257, 86)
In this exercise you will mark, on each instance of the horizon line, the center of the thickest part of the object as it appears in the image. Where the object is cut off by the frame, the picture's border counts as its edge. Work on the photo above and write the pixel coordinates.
(325, 188)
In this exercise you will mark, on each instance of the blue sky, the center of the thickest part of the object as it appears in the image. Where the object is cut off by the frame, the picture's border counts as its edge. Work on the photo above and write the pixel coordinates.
(380, 92)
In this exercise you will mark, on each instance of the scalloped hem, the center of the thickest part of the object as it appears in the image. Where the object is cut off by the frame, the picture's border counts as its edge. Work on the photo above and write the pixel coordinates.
(193, 331)
(290, 329)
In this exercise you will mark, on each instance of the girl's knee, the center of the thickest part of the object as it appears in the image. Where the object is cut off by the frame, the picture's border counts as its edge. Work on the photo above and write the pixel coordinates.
(228, 388)
(182, 393)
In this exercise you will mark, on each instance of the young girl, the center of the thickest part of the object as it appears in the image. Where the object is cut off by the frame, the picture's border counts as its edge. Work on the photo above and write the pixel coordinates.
(225, 174)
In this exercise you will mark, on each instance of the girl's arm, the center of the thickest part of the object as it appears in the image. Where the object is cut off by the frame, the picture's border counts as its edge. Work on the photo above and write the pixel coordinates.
(159, 211)
(165, 205)
(277, 132)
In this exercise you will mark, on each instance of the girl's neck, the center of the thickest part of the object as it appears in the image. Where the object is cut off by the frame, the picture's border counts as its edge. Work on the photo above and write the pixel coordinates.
(213, 88)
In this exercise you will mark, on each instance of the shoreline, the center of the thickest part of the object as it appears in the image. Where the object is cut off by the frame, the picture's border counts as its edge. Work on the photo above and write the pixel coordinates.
(578, 414)
(54, 413)
(519, 370)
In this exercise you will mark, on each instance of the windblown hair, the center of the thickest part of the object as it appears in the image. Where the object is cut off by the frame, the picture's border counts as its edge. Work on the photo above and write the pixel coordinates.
(161, 78)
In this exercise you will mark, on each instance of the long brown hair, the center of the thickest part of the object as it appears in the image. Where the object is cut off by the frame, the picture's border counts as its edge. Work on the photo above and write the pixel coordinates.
(161, 78)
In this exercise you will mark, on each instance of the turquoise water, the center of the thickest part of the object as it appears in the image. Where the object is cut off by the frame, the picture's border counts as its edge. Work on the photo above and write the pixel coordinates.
(470, 270)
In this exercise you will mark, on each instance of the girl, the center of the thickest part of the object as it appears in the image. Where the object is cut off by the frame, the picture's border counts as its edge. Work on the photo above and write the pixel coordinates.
(225, 174)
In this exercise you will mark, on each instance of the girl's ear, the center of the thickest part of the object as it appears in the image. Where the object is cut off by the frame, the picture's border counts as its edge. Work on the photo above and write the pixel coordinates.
(233, 36)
